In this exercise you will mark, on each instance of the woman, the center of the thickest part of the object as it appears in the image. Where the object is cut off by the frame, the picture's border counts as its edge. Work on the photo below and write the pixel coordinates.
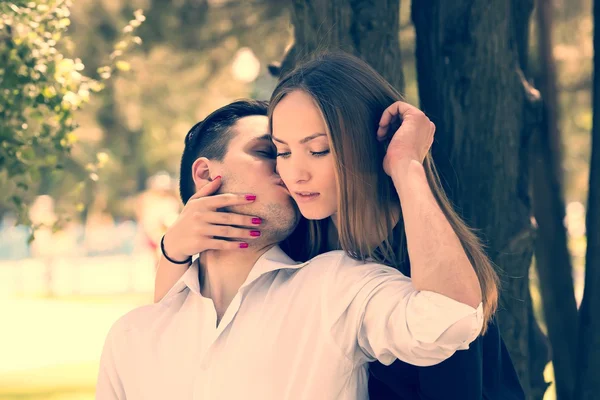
(349, 200)
(342, 97)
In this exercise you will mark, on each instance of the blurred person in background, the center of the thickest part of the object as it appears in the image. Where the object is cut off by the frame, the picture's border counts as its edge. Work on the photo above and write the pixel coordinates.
(156, 209)
(43, 216)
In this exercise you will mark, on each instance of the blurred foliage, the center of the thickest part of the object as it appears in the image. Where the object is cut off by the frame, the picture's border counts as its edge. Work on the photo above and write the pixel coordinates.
(41, 88)
(181, 72)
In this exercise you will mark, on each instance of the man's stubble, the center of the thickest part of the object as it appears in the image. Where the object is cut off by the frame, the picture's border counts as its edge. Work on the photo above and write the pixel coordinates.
(279, 219)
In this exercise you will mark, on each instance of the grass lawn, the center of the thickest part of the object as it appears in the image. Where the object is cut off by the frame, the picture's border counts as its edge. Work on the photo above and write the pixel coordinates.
(62, 382)
(51, 346)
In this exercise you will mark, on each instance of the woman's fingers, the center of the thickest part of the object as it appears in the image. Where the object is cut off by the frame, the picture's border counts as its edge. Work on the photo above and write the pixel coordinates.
(384, 124)
(389, 118)
(208, 189)
(387, 115)
(227, 200)
(229, 232)
(394, 113)
(219, 244)
(229, 218)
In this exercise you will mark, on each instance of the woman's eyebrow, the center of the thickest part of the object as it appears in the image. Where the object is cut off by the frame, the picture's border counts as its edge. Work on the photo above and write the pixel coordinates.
(305, 140)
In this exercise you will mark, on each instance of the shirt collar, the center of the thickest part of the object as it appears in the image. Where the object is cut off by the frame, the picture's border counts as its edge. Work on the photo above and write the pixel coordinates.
(272, 260)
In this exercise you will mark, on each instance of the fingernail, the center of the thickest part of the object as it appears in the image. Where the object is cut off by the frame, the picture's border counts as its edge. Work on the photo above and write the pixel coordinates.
(250, 197)
(243, 245)
(254, 233)
(217, 177)
(256, 221)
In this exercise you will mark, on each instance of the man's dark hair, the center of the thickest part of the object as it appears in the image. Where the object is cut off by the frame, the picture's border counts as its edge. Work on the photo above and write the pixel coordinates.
(210, 138)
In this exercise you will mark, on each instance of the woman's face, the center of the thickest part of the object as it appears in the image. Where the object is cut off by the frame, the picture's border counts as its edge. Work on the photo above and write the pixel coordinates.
(304, 160)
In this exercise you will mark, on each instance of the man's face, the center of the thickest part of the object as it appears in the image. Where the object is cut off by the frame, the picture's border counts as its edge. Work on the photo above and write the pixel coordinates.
(249, 167)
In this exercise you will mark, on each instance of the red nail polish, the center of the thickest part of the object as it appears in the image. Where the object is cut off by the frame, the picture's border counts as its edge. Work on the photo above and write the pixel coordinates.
(256, 221)
(250, 197)
(243, 245)
(254, 233)
(217, 177)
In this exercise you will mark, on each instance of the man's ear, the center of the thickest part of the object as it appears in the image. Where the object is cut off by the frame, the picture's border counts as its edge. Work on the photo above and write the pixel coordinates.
(201, 172)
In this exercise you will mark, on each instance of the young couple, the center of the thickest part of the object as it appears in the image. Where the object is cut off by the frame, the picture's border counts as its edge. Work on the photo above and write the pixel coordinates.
(331, 264)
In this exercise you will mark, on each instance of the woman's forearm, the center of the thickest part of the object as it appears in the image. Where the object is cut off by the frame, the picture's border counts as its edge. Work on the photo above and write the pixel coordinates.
(167, 275)
(437, 258)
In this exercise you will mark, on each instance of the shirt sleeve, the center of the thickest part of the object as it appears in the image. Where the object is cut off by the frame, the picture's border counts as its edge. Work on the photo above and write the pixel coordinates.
(109, 385)
(374, 313)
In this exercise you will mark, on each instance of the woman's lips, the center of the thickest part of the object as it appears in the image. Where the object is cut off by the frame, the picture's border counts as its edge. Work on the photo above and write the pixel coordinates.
(306, 196)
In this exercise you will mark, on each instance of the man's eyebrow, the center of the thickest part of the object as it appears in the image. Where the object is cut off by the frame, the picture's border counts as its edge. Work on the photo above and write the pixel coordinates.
(266, 136)
(305, 140)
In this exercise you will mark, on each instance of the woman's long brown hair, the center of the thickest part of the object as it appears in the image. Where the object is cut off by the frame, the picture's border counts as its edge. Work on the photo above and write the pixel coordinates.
(352, 96)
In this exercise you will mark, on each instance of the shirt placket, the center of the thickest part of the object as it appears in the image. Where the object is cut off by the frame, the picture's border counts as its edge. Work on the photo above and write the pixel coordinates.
(202, 385)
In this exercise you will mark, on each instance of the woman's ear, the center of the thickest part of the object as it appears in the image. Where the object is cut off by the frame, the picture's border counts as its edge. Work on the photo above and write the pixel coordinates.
(201, 172)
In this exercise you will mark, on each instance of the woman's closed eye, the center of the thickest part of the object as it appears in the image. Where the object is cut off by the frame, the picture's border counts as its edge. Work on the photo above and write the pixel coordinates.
(320, 153)
(286, 154)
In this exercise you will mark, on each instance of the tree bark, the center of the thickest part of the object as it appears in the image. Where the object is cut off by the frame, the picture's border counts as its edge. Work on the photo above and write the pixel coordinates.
(471, 85)
(588, 378)
(366, 29)
(539, 354)
(553, 260)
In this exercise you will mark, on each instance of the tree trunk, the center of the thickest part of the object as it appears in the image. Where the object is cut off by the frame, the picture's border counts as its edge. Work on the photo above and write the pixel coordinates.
(571, 9)
(539, 354)
(366, 29)
(472, 87)
(588, 382)
(117, 135)
(547, 83)
(553, 260)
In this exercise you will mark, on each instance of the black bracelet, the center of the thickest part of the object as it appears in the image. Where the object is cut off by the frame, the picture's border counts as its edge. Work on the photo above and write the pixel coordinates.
(164, 253)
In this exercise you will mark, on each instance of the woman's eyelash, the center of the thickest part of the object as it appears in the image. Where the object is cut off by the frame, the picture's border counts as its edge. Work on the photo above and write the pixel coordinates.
(314, 153)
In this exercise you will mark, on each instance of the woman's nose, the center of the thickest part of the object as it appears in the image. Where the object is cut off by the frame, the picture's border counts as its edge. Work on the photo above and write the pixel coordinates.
(293, 172)
(299, 172)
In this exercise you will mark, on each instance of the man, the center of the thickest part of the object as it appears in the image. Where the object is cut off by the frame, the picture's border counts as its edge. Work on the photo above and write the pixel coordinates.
(235, 319)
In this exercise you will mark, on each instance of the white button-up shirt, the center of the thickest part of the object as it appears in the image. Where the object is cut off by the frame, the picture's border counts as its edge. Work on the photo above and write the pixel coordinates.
(293, 331)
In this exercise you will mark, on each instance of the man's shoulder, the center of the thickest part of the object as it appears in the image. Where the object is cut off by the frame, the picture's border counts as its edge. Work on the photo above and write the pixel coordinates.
(330, 258)
(324, 263)
(137, 318)
(336, 269)
(338, 261)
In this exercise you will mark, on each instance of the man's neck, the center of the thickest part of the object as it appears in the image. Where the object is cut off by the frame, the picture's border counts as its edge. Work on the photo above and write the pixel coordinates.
(222, 273)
